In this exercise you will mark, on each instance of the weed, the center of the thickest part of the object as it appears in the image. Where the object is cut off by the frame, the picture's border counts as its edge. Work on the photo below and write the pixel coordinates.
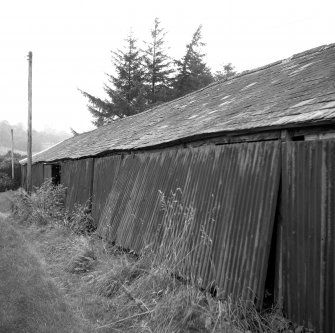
(83, 259)
(45, 204)
(123, 272)
(80, 220)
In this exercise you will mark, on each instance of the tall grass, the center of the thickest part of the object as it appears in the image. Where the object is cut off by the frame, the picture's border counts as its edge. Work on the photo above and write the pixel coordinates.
(148, 292)
(149, 297)
(80, 220)
(29, 300)
(174, 246)
(46, 205)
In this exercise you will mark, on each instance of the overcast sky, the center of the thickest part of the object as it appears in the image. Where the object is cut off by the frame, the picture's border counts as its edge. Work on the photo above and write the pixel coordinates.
(71, 42)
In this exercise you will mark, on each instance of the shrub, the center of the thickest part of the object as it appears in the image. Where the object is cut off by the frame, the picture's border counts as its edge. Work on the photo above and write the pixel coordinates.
(6, 183)
(48, 202)
(45, 204)
(6, 167)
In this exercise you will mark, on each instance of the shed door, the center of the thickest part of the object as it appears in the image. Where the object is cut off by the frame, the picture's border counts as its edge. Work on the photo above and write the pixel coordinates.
(307, 233)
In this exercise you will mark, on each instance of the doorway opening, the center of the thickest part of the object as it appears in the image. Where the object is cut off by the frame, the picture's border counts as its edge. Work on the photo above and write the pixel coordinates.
(56, 174)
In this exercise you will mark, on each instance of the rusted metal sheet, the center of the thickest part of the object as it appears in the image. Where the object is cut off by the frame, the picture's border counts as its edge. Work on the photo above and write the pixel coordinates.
(230, 191)
(37, 174)
(329, 190)
(47, 174)
(250, 181)
(77, 177)
(307, 233)
(105, 172)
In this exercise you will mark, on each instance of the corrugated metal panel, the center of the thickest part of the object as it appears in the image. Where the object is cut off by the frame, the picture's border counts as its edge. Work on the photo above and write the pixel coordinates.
(47, 171)
(231, 190)
(77, 177)
(105, 172)
(329, 186)
(250, 184)
(37, 174)
(308, 233)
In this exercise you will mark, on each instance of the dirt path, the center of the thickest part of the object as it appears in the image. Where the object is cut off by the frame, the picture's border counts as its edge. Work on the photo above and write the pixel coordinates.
(29, 300)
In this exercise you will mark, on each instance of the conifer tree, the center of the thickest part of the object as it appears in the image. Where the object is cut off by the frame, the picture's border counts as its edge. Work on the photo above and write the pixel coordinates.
(192, 71)
(158, 67)
(126, 90)
(225, 73)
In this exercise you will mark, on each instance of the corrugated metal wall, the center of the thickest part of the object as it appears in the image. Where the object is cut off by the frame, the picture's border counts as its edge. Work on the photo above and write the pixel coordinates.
(40, 172)
(329, 254)
(105, 171)
(77, 176)
(307, 233)
(47, 171)
(232, 192)
(37, 174)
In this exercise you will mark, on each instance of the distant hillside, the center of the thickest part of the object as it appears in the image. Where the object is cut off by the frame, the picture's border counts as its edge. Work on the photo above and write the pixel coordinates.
(41, 139)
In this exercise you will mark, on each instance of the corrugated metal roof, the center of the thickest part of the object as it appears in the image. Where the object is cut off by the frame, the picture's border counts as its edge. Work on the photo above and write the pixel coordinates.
(231, 189)
(298, 90)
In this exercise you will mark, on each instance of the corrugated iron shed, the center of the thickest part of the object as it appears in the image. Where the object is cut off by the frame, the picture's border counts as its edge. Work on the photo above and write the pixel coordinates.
(230, 189)
(296, 91)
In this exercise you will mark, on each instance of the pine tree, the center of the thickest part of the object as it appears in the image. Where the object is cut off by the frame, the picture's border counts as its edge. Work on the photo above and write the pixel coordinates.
(225, 73)
(101, 110)
(192, 71)
(158, 67)
(126, 89)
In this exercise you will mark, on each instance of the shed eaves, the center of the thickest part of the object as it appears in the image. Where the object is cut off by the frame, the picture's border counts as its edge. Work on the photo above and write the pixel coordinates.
(295, 91)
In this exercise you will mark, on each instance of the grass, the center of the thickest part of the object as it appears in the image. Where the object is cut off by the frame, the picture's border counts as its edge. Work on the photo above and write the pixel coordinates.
(110, 290)
(6, 203)
(29, 300)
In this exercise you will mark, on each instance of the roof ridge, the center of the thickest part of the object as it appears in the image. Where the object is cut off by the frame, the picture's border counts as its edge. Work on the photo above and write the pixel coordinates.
(294, 56)
(314, 50)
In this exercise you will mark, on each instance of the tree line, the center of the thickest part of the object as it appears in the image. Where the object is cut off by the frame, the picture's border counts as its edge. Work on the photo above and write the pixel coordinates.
(148, 76)
(41, 139)
(6, 181)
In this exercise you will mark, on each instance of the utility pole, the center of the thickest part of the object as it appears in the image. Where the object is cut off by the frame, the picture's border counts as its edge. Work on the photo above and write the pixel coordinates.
(29, 145)
(12, 153)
